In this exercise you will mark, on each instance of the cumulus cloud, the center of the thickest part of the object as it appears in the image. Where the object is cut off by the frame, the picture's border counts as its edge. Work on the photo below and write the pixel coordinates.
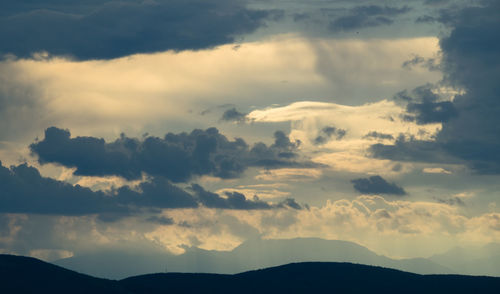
(367, 16)
(310, 120)
(421, 228)
(24, 190)
(236, 200)
(377, 185)
(411, 149)
(108, 29)
(431, 64)
(424, 106)
(470, 122)
(436, 170)
(289, 174)
(233, 115)
(378, 135)
(162, 220)
(142, 92)
(328, 133)
(177, 157)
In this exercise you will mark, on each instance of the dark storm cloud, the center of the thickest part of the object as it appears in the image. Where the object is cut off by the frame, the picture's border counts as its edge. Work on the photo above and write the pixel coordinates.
(177, 157)
(426, 19)
(436, 2)
(378, 135)
(24, 190)
(100, 29)
(424, 106)
(428, 63)
(157, 193)
(367, 16)
(430, 112)
(236, 200)
(328, 133)
(233, 115)
(377, 185)
(470, 62)
(412, 150)
(162, 220)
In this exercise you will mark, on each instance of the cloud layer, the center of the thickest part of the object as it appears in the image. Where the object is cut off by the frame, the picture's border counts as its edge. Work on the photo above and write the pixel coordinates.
(367, 16)
(24, 190)
(377, 185)
(177, 157)
(470, 122)
(108, 29)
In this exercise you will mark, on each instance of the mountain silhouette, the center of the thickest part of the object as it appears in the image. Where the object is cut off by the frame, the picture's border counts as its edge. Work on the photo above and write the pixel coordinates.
(20, 274)
(484, 260)
(313, 277)
(250, 255)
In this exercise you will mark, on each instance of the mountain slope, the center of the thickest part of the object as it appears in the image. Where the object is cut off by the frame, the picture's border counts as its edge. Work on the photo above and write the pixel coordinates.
(28, 275)
(19, 274)
(313, 277)
(483, 260)
(250, 255)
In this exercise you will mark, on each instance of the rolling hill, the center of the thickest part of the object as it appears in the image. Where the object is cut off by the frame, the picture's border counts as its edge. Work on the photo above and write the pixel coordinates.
(20, 274)
(28, 275)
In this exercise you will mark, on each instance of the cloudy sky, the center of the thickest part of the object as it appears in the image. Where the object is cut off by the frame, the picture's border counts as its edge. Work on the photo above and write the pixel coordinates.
(178, 123)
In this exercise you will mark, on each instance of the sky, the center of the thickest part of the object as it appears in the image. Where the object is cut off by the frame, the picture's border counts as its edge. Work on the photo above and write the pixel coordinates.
(171, 124)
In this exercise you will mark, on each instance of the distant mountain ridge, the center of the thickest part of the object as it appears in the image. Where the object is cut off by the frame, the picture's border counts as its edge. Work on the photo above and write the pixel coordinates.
(483, 260)
(21, 275)
(250, 255)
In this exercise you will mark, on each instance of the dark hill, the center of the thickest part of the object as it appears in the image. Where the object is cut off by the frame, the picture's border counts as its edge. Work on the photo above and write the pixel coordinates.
(313, 277)
(28, 275)
(20, 274)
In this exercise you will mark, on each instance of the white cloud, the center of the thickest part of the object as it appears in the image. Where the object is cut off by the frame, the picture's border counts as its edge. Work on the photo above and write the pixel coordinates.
(260, 193)
(289, 174)
(308, 118)
(436, 170)
(394, 228)
(132, 93)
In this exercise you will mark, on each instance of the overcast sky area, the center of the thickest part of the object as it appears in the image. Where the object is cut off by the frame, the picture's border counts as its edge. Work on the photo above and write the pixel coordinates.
(203, 123)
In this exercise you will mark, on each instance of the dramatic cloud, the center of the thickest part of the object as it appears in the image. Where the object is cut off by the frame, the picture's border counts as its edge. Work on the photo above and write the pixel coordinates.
(367, 16)
(309, 120)
(327, 133)
(470, 122)
(233, 115)
(424, 106)
(412, 149)
(378, 135)
(162, 220)
(471, 61)
(24, 190)
(377, 185)
(177, 157)
(431, 64)
(236, 200)
(108, 29)
(147, 92)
